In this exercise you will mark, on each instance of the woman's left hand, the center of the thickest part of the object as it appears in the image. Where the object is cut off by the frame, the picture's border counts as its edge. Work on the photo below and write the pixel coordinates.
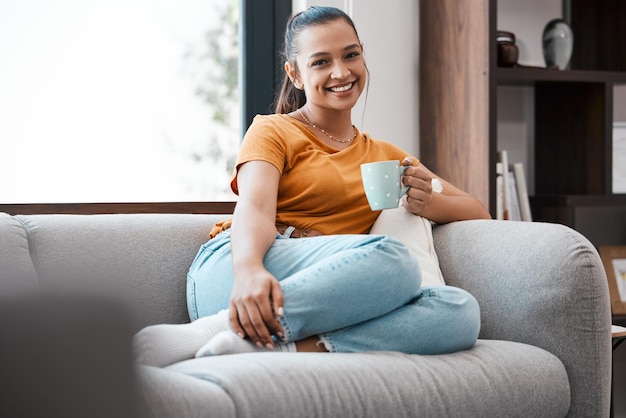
(419, 179)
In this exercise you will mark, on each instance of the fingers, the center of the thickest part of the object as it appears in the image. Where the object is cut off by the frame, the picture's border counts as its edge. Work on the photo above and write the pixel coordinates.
(408, 161)
(251, 324)
(278, 302)
(233, 319)
(419, 180)
(248, 323)
(257, 317)
(420, 190)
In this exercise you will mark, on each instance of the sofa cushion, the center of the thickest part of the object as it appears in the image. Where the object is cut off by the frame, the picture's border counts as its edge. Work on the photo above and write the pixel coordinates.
(494, 378)
(167, 393)
(416, 233)
(17, 272)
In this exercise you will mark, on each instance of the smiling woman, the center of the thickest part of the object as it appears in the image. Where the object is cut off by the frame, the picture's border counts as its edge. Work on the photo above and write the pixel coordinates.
(118, 101)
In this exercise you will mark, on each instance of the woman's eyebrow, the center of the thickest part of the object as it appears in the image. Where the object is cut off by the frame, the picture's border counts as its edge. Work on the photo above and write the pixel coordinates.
(322, 53)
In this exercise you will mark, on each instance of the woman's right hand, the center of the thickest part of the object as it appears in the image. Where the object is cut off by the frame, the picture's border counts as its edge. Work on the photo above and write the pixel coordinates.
(256, 303)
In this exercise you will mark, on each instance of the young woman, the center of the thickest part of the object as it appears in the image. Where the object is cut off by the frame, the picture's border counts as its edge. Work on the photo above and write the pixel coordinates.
(253, 287)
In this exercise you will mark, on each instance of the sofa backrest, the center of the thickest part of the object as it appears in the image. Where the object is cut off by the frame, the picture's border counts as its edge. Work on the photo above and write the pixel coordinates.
(139, 259)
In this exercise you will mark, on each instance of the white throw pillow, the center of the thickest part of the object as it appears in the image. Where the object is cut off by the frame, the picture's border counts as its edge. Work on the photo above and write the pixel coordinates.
(416, 232)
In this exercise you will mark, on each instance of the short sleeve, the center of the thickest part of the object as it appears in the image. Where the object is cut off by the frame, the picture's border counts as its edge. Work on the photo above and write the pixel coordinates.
(263, 141)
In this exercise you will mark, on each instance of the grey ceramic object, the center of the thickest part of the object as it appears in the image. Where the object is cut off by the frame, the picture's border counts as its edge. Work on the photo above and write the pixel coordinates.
(558, 43)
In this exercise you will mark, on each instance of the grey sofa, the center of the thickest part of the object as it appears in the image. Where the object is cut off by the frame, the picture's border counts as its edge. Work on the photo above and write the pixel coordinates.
(544, 347)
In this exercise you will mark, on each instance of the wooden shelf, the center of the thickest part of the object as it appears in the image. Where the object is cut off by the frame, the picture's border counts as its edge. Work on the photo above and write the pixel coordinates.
(600, 218)
(580, 200)
(619, 319)
(531, 76)
(572, 144)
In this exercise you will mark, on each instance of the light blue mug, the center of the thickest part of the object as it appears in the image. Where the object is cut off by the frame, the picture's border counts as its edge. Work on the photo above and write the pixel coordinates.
(382, 183)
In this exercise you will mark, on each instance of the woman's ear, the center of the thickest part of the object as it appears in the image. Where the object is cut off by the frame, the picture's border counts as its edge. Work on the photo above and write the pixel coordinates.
(290, 69)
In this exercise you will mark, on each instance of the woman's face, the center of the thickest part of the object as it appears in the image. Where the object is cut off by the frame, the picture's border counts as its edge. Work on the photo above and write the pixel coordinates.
(330, 65)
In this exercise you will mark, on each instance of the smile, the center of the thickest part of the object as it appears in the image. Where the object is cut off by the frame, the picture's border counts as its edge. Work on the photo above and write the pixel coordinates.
(342, 88)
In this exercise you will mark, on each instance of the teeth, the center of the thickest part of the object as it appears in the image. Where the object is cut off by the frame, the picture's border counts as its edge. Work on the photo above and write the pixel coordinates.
(340, 89)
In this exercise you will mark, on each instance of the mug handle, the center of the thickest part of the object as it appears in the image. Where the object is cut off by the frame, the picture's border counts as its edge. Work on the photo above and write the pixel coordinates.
(404, 188)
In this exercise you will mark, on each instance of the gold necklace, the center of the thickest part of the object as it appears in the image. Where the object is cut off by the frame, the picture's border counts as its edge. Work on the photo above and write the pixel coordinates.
(312, 125)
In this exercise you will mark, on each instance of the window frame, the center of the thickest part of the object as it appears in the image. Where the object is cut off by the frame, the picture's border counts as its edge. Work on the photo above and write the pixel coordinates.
(261, 26)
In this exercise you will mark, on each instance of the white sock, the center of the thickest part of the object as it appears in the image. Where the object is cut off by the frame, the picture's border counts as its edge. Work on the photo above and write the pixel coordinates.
(227, 342)
(162, 345)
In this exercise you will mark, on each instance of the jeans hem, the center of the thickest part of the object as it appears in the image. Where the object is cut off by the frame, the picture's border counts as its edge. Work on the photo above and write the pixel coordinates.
(328, 344)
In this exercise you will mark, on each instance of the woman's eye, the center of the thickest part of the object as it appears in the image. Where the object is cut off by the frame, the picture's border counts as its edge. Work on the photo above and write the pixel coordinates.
(318, 62)
(353, 55)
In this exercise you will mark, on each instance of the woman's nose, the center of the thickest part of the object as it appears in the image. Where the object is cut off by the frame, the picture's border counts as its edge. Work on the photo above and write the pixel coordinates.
(340, 71)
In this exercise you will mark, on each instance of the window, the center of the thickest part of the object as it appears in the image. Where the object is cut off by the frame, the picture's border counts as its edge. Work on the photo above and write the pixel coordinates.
(118, 101)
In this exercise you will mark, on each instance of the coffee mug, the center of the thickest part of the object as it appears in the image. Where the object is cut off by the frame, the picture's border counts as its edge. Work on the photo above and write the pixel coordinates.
(382, 183)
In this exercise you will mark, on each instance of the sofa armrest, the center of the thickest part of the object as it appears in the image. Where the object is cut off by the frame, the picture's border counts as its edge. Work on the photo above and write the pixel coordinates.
(541, 284)
(17, 272)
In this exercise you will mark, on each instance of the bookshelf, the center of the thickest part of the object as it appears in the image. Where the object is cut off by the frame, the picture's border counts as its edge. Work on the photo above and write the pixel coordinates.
(573, 109)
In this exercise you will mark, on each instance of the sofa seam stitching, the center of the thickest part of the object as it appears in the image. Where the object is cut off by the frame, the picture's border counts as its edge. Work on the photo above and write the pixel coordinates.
(30, 239)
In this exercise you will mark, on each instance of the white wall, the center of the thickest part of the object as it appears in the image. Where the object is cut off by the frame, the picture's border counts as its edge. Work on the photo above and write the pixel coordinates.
(389, 32)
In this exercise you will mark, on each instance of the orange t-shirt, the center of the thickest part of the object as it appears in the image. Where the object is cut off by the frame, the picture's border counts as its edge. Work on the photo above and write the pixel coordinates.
(320, 188)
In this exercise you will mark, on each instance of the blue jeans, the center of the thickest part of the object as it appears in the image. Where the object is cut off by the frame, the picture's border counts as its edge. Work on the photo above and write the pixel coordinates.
(356, 292)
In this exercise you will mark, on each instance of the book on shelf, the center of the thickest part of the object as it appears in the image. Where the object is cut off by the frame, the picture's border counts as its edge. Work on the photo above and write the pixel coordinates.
(506, 196)
(512, 201)
(522, 191)
(515, 213)
(499, 192)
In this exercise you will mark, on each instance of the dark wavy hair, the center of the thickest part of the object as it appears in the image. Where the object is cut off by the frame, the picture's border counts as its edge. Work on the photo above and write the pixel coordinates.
(289, 98)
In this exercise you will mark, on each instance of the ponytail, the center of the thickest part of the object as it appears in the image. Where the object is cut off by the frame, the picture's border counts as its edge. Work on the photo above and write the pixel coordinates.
(289, 97)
